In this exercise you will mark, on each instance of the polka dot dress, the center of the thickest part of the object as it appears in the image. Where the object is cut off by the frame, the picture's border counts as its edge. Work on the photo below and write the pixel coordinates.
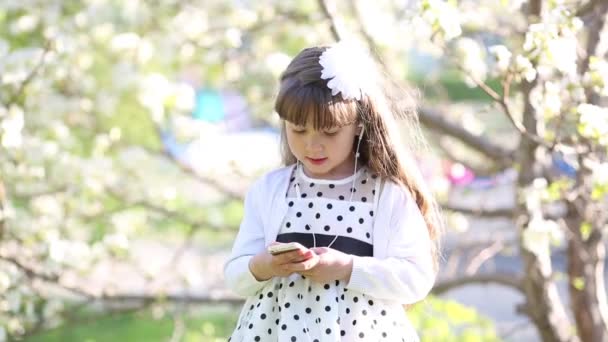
(295, 308)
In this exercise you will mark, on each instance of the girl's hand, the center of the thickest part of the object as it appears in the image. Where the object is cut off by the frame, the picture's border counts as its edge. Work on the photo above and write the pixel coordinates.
(332, 265)
(264, 265)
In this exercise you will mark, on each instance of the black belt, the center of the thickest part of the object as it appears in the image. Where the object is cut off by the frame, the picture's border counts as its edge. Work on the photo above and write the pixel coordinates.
(344, 244)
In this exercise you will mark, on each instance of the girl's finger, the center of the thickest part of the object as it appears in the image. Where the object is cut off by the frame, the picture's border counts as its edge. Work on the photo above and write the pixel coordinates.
(304, 265)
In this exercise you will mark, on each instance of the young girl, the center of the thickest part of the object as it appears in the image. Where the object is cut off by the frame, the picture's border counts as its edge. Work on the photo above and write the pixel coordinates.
(366, 227)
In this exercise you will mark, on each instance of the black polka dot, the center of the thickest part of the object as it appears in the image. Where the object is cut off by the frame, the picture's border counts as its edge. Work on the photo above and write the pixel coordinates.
(308, 310)
(288, 224)
(291, 284)
(371, 213)
(269, 331)
(307, 227)
(299, 214)
(303, 195)
(287, 305)
(341, 198)
(291, 203)
(329, 206)
(310, 205)
(328, 331)
(318, 298)
(250, 326)
(263, 316)
(326, 228)
(364, 312)
(269, 294)
(355, 322)
(352, 208)
(364, 181)
(312, 184)
(331, 186)
(349, 230)
(326, 286)
(296, 317)
(337, 282)
(342, 332)
(355, 299)
(257, 338)
(261, 296)
(318, 216)
(384, 335)
(353, 190)
(292, 179)
(319, 194)
(327, 308)
(361, 220)
(361, 335)
(339, 217)
(368, 235)
(373, 192)
(347, 310)
(293, 338)
(363, 199)
(284, 326)
(383, 312)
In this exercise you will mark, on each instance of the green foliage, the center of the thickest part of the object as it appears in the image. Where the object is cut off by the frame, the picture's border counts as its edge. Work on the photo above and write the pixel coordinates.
(207, 324)
(435, 319)
(449, 321)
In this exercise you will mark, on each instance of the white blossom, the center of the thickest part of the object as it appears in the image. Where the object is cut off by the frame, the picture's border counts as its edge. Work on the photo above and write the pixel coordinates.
(593, 122)
(471, 57)
(11, 127)
(502, 56)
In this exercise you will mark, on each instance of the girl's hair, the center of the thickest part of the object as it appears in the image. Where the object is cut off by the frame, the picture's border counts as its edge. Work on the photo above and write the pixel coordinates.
(304, 96)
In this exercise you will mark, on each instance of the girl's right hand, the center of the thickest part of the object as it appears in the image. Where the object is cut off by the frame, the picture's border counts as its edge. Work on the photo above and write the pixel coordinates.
(264, 265)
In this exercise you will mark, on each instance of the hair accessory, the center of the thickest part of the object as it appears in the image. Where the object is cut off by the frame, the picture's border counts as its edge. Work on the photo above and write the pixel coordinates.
(349, 68)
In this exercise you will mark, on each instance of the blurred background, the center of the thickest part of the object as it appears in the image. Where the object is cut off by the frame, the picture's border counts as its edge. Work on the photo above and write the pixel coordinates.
(130, 131)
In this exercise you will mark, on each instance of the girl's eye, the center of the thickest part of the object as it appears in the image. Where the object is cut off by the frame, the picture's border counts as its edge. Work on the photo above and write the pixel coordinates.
(331, 133)
(298, 131)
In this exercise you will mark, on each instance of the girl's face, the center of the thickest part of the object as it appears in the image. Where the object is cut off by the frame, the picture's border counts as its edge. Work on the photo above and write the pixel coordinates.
(325, 154)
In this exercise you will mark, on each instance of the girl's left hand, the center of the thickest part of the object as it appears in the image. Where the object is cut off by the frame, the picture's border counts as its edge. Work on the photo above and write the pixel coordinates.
(332, 265)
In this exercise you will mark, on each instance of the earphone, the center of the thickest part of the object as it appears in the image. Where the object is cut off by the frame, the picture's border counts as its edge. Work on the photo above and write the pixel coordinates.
(357, 154)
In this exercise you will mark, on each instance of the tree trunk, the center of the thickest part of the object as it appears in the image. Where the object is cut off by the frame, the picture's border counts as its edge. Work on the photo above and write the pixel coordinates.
(587, 291)
(543, 305)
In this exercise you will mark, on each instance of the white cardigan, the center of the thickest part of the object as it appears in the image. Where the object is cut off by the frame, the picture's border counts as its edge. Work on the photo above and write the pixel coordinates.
(401, 269)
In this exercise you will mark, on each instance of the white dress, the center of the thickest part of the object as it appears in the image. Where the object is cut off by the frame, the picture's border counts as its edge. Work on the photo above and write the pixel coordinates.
(295, 308)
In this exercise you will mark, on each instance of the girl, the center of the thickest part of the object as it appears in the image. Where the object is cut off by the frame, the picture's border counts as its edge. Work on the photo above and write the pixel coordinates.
(354, 202)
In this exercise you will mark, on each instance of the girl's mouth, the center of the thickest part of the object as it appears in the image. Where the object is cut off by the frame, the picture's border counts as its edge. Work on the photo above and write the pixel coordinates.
(317, 161)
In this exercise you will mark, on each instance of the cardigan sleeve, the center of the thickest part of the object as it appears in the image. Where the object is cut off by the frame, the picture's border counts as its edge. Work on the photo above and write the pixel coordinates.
(249, 242)
(406, 274)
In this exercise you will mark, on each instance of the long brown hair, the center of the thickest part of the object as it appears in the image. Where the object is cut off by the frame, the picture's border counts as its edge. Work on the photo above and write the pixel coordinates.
(304, 96)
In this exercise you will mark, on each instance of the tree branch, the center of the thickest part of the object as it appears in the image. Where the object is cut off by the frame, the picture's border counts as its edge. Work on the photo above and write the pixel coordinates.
(480, 212)
(437, 121)
(328, 7)
(19, 92)
(511, 281)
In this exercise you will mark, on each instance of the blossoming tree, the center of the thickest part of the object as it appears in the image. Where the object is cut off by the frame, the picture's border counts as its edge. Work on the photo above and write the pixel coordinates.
(82, 84)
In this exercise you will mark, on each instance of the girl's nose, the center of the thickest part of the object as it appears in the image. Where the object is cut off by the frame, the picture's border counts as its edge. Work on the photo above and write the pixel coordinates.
(313, 145)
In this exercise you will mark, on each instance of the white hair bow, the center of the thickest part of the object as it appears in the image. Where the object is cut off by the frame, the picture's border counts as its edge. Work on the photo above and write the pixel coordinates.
(349, 68)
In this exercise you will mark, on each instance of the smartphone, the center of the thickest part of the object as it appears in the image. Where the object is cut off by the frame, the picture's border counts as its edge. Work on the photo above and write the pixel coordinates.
(283, 248)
